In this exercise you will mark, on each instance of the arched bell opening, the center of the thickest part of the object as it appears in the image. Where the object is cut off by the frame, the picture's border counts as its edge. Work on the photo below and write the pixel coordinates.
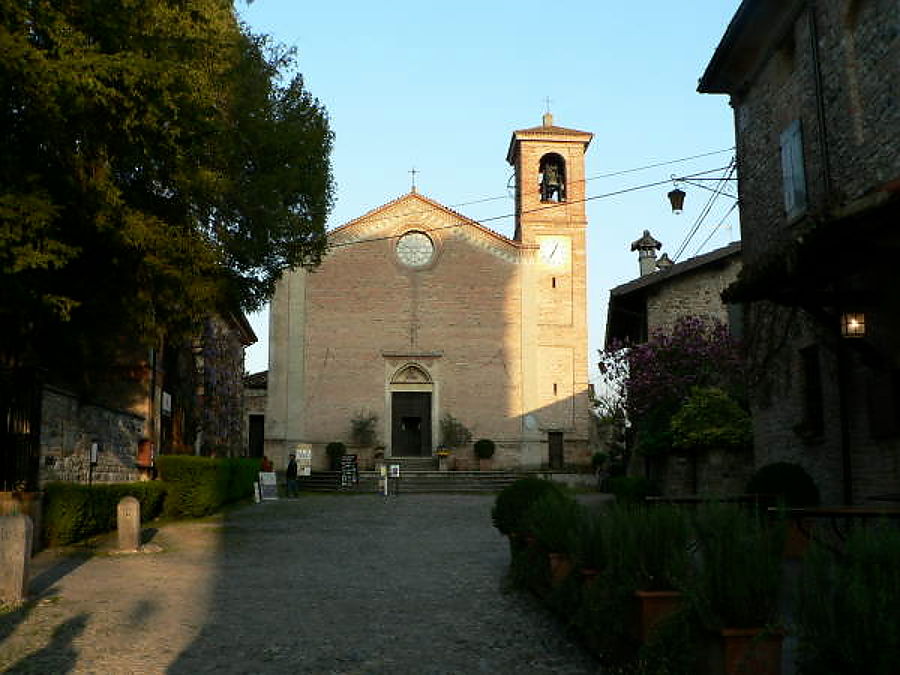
(552, 178)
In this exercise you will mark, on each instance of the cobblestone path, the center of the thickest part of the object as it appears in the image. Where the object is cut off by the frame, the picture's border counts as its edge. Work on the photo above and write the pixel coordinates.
(320, 584)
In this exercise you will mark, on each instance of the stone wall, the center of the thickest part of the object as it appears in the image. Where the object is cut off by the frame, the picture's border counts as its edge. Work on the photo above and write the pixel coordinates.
(69, 426)
(859, 49)
(694, 293)
(848, 154)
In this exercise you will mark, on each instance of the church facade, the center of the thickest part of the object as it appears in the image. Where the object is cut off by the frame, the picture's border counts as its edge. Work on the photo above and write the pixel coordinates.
(419, 314)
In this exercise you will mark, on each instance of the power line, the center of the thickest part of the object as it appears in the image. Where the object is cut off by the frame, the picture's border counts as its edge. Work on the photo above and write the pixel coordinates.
(716, 228)
(720, 186)
(622, 172)
(544, 207)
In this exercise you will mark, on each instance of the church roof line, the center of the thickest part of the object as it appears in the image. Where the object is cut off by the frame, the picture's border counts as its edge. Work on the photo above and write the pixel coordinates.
(368, 216)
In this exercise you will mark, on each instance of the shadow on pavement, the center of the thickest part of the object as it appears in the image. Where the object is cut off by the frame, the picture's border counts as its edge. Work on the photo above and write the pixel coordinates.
(59, 654)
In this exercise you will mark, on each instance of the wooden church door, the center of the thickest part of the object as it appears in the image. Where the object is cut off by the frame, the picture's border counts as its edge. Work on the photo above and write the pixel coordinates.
(411, 424)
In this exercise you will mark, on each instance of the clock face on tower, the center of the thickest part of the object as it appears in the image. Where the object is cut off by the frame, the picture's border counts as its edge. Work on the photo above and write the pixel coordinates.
(415, 249)
(554, 250)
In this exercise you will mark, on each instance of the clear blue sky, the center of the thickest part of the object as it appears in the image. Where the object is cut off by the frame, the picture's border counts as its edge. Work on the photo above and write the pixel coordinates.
(440, 86)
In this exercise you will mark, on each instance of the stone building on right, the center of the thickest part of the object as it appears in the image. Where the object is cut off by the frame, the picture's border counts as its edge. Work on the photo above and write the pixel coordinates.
(815, 87)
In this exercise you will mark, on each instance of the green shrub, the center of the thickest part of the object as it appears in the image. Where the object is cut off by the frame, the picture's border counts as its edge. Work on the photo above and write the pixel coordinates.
(591, 542)
(847, 616)
(454, 434)
(787, 483)
(739, 580)
(711, 420)
(631, 489)
(554, 519)
(198, 486)
(73, 511)
(661, 537)
(514, 500)
(484, 448)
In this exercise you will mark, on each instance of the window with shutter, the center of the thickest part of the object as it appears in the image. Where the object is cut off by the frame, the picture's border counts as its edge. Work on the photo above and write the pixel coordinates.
(792, 170)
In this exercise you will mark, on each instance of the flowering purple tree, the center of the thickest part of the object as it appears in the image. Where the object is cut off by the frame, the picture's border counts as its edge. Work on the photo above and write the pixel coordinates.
(654, 379)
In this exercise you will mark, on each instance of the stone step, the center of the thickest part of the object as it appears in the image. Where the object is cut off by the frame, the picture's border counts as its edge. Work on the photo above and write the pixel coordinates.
(412, 481)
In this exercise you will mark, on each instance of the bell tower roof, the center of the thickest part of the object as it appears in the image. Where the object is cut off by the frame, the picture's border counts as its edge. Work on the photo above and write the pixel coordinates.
(547, 131)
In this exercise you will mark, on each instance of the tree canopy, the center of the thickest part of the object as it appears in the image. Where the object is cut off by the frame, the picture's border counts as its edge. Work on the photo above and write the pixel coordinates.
(157, 160)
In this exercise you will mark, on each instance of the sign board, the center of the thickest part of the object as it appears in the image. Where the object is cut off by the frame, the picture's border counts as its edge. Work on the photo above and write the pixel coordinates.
(303, 456)
(395, 471)
(349, 471)
(268, 485)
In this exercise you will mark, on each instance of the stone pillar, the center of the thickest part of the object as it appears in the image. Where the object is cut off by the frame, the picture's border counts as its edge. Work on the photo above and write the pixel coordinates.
(16, 533)
(128, 519)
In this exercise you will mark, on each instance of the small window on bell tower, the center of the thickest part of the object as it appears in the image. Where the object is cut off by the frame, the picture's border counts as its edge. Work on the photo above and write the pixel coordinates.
(552, 183)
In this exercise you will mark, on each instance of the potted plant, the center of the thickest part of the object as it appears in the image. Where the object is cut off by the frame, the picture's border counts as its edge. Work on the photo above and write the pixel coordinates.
(484, 450)
(847, 619)
(661, 541)
(554, 520)
(590, 552)
(454, 434)
(508, 513)
(335, 450)
(736, 589)
(443, 455)
(790, 486)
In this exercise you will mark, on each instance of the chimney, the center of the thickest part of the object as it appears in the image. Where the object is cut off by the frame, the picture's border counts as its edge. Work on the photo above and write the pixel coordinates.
(646, 247)
(548, 119)
(664, 262)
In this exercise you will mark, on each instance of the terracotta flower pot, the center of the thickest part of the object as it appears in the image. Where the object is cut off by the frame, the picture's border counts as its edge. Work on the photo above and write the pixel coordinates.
(653, 607)
(560, 567)
(588, 575)
(747, 651)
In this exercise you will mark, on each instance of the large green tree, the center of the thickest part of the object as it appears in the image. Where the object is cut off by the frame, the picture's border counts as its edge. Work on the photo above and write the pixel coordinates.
(157, 160)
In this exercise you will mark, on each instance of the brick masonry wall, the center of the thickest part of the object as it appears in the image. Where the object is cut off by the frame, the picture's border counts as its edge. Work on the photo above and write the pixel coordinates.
(68, 428)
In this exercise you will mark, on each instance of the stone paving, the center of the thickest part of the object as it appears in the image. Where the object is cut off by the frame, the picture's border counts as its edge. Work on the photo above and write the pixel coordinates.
(320, 584)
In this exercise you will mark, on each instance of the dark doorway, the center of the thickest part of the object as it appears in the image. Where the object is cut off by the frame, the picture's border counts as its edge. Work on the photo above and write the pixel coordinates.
(411, 424)
(256, 435)
(555, 440)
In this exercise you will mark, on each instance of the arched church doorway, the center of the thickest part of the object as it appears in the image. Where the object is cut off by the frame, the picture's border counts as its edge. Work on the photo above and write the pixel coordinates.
(411, 393)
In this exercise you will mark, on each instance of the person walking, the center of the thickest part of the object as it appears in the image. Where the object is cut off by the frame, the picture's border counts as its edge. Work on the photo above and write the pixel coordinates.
(291, 475)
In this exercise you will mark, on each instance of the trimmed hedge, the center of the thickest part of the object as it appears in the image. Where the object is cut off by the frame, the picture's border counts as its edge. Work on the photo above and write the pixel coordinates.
(73, 511)
(787, 482)
(631, 489)
(484, 448)
(513, 501)
(198, 486)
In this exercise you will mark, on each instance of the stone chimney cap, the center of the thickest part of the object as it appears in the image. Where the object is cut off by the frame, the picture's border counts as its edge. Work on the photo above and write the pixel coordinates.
(664, 262)
(645, 243)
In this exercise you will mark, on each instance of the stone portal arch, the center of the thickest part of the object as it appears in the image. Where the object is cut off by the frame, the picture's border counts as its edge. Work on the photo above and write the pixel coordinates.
(411, 401)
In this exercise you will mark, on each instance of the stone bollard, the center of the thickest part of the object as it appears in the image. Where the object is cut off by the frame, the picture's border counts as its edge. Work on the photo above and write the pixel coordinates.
(128, 520)
(16, 533)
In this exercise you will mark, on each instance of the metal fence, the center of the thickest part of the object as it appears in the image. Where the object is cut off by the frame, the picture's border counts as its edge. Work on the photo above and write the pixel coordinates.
(20, 428)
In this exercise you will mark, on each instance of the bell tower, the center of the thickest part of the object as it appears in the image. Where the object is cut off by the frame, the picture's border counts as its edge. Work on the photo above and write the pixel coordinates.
(549, 166)
(550, 227)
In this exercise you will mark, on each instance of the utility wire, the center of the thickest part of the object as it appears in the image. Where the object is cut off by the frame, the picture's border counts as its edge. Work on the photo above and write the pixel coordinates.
(716, 228)
(680, 160)
(544, 207)
(706, 209)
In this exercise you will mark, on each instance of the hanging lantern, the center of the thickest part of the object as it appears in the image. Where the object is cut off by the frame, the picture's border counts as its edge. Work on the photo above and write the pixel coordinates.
(676, 198)
(853, 324)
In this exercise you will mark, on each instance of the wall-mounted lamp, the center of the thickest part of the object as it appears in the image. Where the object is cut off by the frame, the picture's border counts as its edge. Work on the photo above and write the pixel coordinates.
(676, 199)
(853, 324)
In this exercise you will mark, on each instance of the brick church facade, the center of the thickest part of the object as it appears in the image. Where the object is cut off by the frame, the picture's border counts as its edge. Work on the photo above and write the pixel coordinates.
(418, 312)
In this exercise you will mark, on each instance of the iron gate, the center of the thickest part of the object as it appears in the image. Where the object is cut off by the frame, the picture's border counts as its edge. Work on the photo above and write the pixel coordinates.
(20, 429)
